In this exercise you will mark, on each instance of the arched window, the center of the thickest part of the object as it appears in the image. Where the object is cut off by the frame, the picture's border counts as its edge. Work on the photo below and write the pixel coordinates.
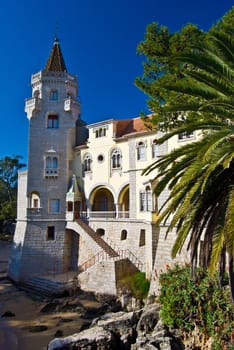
(123, 235)
(35, 200)
(52, 121)
(87, 163)
(141, 151)
(154, 149)
(116, 159)
(54, 95)
(100, 231)
(36, 93)
(51, 166)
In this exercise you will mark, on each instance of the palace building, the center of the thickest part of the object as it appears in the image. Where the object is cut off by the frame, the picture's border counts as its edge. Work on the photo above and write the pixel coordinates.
(83, 204)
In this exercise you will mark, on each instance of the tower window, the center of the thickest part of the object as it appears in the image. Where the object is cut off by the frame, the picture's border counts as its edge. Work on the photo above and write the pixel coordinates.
(50, 234)
(52, 122)
(54, 206)
(54, 95)
(51, 166)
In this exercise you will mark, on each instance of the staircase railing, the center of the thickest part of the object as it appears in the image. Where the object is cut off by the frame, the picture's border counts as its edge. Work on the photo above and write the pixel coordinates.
(115, 253)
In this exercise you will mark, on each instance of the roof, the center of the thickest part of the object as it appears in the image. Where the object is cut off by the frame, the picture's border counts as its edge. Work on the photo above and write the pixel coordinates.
(130, 126)
(55, 62)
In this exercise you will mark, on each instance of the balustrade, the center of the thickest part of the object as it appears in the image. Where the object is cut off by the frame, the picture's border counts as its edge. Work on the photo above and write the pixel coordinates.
(34, 211)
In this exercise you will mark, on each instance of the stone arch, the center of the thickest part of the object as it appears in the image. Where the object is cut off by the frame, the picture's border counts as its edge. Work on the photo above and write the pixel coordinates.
(93, 190)
(123, 198)
(34, 199)
(102, 199)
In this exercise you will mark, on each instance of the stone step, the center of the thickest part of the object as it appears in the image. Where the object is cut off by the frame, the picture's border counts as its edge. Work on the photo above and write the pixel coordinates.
(105, 246)
(47, 287)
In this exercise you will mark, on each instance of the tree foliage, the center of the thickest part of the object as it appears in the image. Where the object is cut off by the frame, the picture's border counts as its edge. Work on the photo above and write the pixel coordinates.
(197, 95)
(9, 167)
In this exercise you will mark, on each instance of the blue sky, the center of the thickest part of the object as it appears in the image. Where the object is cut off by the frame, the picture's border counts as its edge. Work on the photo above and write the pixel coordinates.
(98, 40)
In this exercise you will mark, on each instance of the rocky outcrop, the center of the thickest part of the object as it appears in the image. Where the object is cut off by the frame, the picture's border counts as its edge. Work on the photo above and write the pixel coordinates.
(135, 330)
(95, 338)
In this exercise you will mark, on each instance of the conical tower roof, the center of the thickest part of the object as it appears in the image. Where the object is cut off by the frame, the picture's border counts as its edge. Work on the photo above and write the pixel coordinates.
(55, 62)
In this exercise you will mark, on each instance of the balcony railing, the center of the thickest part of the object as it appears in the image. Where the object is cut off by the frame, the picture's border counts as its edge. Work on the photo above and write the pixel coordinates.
(108, 214)
(33, 103)
(51, 172)
(34, 211)
(102, 214)
(69, 103)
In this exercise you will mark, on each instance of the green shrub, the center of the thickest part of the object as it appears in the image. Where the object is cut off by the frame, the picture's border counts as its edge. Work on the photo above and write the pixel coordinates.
(137, 284)
(186, 303)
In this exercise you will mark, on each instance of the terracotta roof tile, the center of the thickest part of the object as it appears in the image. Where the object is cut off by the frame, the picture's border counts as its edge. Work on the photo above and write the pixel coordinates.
(130, 126)
(55, 62)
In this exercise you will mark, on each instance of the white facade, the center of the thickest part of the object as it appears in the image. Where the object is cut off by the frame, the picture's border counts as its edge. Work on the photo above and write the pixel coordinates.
(84, 200)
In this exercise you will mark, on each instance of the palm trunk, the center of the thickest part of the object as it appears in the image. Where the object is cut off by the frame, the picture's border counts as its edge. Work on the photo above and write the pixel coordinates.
(231, 275)
(222, 265)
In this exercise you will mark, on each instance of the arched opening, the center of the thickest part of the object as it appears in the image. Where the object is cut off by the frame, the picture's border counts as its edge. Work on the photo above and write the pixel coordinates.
(124, 203)
(100, 231)
(102, 204)
(123, 235)
(34, 205)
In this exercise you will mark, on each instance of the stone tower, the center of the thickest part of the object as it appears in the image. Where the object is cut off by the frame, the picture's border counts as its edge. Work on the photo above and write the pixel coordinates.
(53, 113)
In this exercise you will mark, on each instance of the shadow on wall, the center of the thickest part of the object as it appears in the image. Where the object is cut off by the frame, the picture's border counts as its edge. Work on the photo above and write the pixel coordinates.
(25, 261)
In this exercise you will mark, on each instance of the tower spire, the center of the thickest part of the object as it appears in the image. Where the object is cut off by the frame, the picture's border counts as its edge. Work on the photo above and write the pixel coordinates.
(55, 62)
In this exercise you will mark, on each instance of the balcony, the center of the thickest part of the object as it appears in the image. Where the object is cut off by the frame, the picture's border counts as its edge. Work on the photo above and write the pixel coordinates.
(51, 173)
(34, 212)
(105, 215)
(33, 104)
(70, 104)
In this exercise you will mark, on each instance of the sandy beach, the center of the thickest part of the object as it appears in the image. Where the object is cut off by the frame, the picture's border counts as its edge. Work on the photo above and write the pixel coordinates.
(24, 323)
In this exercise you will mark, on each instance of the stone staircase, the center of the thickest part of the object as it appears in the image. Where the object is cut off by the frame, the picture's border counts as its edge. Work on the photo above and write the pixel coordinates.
(92, 237)
(48, 286)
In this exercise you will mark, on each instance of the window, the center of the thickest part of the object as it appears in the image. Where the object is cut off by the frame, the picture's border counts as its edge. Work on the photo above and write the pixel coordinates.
(100, 158)
(154, 149)
(142, 238)
(123, 235)
(87, 163)
(141, 151)
(185, 135)
(52, 122)
(51, 166)
(50, 234)
(35, 200)
(100, 231)
(146, 200)
(54, 206)
(116, 159)
(53, 95)
(100, 132)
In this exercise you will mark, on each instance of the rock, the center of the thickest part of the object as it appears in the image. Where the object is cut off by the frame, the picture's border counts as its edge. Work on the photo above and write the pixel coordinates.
(148, 320)
(8, 314)
(122, 324)
(58, 333)
(37, 328)
(49, 307)
(95, 338)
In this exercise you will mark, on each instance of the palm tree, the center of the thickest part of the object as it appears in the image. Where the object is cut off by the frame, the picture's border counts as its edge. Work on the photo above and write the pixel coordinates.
(200, 175)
